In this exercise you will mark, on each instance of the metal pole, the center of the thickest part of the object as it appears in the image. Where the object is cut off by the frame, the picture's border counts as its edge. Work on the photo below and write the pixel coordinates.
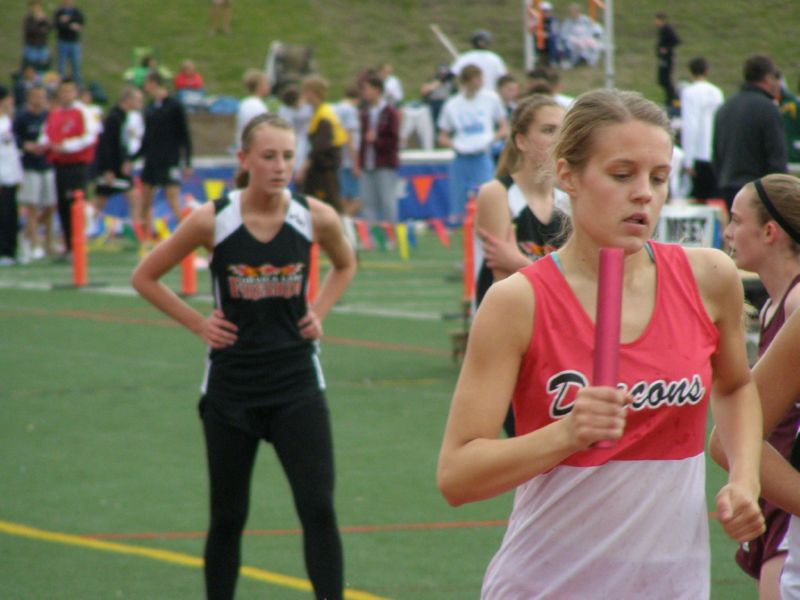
(529, 60)
(444, 40)
(609, 42)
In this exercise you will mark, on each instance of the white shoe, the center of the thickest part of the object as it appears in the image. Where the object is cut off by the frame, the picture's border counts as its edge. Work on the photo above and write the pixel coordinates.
(38, 253)
(7, 261)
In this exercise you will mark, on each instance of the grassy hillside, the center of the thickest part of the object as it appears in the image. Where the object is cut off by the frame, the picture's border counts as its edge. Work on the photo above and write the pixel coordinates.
(348, 35)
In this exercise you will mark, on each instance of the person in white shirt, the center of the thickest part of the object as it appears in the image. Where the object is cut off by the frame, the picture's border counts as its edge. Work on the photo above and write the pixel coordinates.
(469, 123)
(349, 171)
(392, 87)
(10, 178)
(298, 114)
(491, 65)
(258, 88)
(582, 38)
(699, 102)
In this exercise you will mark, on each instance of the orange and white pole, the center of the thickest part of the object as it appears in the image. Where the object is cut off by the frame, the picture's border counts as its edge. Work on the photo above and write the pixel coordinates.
(79, 253)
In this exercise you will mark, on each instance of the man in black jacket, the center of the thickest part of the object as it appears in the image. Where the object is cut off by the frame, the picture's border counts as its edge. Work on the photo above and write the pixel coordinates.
(665, 50)
(167, 145)
(113, 161)
(749, 141)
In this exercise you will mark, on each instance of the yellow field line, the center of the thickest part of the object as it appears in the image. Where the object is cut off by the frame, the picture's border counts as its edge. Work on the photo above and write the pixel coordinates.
(167, 556)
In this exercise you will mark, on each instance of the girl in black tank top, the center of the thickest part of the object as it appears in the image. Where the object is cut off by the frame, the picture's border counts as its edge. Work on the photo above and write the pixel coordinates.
(518, 218)
(263, 380)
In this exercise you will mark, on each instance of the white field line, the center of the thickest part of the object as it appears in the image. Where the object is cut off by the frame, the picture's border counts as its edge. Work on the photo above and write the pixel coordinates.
(346, 309)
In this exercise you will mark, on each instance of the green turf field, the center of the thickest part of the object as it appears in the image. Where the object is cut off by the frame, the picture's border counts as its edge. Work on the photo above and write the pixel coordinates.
(102, 474)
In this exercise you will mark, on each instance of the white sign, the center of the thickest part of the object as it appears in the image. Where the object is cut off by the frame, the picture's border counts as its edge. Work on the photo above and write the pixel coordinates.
(694, 226)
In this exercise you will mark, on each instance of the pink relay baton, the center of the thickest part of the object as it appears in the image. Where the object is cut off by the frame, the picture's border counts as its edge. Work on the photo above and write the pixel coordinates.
(607, 322)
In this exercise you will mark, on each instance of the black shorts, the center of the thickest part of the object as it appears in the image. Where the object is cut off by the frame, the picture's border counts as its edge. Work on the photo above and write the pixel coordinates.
(120, 185)
(154, 175)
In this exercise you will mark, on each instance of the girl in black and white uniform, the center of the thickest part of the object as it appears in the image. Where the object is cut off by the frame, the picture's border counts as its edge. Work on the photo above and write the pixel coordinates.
(263, 379)
(520, 213)
(520, 216)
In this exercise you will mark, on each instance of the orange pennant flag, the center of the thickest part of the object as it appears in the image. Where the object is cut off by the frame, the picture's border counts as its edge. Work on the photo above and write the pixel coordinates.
(389, 229)
(441, 232)
(363, 234)
(422, 187)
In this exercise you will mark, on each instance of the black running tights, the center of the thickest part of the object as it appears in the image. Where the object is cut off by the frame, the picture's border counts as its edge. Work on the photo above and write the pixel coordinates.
(301, 435)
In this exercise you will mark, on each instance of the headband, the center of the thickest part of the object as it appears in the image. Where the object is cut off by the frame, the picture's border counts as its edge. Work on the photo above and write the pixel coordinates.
(785, 225)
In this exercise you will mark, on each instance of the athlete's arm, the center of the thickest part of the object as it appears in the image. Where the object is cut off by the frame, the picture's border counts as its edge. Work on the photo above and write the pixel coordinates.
(329, 234)
(444, 139)
(196, 230)
(473, 463)
(778, 380)
(735, 405)
(498, 238)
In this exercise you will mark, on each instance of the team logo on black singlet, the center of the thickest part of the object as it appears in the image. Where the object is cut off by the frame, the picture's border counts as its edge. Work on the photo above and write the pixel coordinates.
(533, 250)
(563, 387)
(266, 281)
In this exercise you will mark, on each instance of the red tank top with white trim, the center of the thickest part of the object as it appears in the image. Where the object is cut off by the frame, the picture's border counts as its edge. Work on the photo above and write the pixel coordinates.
(667, 369)
(630, 521)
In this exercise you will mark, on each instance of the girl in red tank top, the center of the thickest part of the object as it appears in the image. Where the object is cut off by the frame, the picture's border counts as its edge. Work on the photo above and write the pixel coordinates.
(629, 521)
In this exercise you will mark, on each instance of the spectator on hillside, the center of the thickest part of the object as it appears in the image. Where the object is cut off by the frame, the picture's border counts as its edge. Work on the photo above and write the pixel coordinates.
(69, 22)
(749, 140)
(319, 175)
(166, 147)
(258, 88)
(190, 87)
(665, 48)
(379, 153)
(550, 52)
(26, 80)
(35, 32)
(491, 65)
(188, 77)
(581, 38)
(220, 16)
(149, 64)
(298, 114)
(38, 192)
(10, 178)
(70, 138)
(469, 123)
(699, 103)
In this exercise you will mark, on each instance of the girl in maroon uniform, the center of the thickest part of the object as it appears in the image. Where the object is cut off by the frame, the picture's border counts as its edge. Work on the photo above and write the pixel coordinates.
(764, 237)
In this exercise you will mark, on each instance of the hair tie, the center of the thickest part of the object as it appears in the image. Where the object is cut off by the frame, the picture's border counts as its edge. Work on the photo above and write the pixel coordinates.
(785, 225)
